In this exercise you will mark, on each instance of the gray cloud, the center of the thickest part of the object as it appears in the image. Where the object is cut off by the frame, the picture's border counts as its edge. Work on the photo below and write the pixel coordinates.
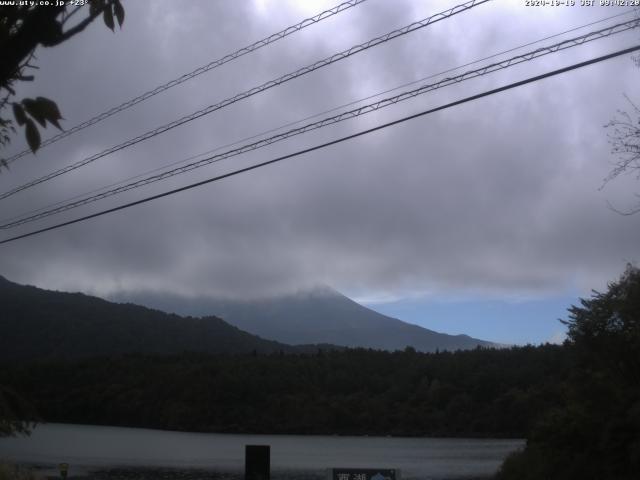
(499, 196)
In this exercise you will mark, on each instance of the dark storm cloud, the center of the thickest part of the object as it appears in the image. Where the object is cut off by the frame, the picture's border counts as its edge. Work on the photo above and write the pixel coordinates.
(499, 196)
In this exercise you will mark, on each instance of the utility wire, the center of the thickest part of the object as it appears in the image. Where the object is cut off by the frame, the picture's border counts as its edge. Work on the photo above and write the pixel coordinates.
(296, 122)
(198, 71)
(333, 142)
(386, 102)
(265, 86)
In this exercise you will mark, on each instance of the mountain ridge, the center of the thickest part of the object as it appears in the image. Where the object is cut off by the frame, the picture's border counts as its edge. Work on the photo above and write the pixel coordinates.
(319, 315)
(39, 324)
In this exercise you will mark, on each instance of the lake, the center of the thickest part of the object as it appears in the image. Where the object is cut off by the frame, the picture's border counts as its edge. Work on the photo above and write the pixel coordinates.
(89, 447)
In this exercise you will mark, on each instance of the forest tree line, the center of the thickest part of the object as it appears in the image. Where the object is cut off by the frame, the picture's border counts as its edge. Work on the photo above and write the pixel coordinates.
(484, 392)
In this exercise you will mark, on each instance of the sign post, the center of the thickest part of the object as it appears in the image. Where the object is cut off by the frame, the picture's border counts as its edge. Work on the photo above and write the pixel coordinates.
(257, 462)
(64, 469)
(363, 474)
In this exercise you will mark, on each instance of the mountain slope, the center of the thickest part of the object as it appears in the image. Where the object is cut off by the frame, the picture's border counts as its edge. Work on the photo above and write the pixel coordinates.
(43, 324)
(321, 315)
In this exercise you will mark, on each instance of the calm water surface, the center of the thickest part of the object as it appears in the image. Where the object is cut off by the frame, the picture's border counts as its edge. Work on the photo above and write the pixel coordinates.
(85, 446)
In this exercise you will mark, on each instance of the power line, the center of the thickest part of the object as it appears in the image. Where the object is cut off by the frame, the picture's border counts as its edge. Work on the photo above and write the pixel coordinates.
(386, 102)
(295, 122)
(198, 71)
(290, 124)
(265, 86)
(332, 142)
(331, 120)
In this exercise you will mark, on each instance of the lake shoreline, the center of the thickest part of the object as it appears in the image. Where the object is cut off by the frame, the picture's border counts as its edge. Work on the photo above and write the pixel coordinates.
(117, 453)
(49, 472)
(292, 433)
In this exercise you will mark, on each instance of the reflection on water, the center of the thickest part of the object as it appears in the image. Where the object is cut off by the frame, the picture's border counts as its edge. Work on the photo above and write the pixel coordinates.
(84, 446)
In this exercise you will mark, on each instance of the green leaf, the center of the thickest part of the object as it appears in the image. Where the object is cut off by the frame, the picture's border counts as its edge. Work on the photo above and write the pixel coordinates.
(18, 112)
(34, 109)
(119, 11)
(50, 110)
(33, 135)
(108, 17)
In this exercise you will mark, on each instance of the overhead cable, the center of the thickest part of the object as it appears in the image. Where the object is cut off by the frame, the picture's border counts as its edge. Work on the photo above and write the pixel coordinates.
(198, 71)
(386, 102)
(310, 117)
(261, 88)
(327, 144)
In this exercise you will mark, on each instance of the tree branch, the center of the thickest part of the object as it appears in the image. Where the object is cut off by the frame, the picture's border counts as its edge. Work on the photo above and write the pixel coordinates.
(80, 26)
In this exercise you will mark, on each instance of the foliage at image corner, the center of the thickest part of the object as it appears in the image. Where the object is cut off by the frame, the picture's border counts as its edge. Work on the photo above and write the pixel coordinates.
(595, 433)
(15, 411)
(10, 471)
(23, 28)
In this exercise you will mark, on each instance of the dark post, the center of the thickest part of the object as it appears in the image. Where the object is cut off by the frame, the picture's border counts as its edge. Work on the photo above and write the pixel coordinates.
(257, 462)
(64, 469)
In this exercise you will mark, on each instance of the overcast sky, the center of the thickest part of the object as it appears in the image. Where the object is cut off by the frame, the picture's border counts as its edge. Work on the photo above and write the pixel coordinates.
(498, 200)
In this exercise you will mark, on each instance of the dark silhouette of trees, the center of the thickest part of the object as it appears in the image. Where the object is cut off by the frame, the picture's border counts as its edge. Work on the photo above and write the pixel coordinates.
(478, 393)
(594, 433)
(16, 413)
